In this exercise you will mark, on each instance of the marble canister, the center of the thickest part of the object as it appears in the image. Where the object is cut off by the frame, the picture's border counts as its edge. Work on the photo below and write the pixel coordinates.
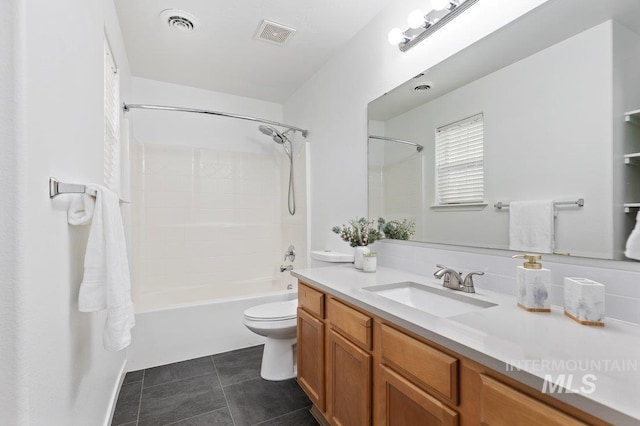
(584, 301)
(358, 252)
(369, 262)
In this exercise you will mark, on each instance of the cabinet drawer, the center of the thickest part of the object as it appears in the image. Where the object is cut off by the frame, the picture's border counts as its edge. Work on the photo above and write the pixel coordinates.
(353, 324)
(311, 300)
(427, 367)
(500, 404)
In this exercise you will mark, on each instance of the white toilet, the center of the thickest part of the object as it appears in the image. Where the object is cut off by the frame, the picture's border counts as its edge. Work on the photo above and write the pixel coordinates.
(277, 322)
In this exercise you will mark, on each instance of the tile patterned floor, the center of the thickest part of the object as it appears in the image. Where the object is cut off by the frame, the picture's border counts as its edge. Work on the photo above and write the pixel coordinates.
(219, 390)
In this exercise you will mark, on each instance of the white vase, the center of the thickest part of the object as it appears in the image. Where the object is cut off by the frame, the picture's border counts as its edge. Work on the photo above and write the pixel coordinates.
(358, 255)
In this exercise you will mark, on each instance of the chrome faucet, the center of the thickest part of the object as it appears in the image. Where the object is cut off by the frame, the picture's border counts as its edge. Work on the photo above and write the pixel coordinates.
(289, 255)
(454, 281)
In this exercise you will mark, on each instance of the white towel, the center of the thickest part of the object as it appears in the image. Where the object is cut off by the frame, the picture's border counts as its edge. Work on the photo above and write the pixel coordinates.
(633, 242)
(531, 226)
(106, 283)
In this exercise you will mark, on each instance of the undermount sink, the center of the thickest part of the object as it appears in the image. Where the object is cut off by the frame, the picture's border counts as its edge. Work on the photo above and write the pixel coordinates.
(439, 302)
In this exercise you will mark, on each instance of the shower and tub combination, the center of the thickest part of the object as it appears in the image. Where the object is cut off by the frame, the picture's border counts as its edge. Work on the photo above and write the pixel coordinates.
(209, 226)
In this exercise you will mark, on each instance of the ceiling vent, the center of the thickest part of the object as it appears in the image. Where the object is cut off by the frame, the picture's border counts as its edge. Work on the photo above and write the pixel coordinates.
(179, 20)
(274, 33)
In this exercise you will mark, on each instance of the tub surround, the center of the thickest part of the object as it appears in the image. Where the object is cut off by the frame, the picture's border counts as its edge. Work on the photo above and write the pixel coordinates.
(505, 336)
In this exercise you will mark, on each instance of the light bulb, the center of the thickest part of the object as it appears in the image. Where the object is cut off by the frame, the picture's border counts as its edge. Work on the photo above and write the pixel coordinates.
(439, 4)
(395, 36)
(416, 19)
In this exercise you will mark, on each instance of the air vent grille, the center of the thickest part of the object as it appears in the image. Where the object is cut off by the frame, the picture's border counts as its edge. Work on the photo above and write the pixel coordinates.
(179, 20)
(180, 23)
(274, 33)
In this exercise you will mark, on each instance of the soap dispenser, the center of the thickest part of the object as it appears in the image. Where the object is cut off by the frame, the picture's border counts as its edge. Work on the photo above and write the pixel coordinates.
(534, 284)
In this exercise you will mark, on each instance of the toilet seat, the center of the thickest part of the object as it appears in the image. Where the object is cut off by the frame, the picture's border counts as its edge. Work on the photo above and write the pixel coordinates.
(278, 311)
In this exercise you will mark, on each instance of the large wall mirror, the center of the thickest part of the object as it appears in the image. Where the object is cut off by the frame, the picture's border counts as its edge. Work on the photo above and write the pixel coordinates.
(546, 96)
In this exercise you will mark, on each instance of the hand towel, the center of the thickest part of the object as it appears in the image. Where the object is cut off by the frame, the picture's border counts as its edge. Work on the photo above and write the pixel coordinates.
(106, 282)
(81, 210)
(531, 226)
(633, 242)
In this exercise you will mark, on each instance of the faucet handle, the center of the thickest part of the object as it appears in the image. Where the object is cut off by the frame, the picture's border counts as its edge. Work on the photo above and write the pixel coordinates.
(290, 254)
(440, 266)
(468, 280)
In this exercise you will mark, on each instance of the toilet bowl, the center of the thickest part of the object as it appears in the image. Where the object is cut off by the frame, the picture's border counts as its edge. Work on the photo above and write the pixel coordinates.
(277, 322)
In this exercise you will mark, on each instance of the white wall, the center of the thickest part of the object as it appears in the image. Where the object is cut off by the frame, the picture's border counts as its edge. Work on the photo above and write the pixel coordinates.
(547, 135)
(12, 398)
(57, 371)
(333, 103)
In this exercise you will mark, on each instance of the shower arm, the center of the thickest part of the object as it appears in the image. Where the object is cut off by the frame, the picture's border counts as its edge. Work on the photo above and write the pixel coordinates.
(128, 107)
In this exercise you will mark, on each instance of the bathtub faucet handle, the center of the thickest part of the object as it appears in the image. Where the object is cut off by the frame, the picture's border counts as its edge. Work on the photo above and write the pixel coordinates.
(290, 254)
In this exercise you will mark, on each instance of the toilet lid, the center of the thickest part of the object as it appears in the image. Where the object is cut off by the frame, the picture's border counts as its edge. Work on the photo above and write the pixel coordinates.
(273, 311)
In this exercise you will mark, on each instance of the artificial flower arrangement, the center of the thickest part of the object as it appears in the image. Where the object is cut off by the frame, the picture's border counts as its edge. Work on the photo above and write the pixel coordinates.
(360, 232)
(398, 229)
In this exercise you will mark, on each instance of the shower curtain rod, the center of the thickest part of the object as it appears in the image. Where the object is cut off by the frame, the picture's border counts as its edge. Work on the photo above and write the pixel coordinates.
(127, 107)
(384, 138)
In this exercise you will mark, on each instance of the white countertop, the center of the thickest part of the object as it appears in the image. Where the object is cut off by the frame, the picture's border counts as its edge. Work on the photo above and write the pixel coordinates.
(504, 335)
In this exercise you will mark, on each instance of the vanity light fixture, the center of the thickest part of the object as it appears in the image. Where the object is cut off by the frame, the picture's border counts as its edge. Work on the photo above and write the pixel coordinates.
(422, 25)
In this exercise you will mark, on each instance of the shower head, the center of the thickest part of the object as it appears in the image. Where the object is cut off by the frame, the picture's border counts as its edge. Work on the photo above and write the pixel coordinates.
(278, 137)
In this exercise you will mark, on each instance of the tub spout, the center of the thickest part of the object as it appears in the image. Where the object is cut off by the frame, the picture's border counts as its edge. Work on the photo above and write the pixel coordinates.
(286, 268)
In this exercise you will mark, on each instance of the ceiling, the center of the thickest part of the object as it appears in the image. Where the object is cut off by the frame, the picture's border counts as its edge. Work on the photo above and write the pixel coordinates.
(222, 54)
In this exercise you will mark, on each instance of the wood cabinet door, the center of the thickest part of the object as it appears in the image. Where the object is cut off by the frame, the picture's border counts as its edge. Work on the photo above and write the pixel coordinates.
(405, 404)
(311, 357)
(349, 383)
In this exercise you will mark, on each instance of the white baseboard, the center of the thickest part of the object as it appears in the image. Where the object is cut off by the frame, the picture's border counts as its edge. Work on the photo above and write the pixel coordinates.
(114, 394)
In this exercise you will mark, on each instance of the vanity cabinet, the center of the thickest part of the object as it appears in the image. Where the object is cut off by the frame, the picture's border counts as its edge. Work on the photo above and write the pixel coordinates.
(360, 370)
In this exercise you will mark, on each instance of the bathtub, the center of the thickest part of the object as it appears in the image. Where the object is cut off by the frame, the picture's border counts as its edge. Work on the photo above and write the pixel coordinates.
(180, 324)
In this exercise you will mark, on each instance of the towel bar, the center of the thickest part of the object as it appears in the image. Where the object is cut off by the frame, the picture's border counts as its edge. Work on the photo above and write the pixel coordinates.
(56, 188)
(579, 202)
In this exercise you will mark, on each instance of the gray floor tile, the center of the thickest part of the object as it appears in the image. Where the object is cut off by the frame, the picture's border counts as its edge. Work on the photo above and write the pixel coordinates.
(257, 400)
(177, 371)
(130, 424)
(180, 400)
(297, 418)
(127, 405)
(133, 376)
(237, 366)
(215, 418)
(238, 351)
